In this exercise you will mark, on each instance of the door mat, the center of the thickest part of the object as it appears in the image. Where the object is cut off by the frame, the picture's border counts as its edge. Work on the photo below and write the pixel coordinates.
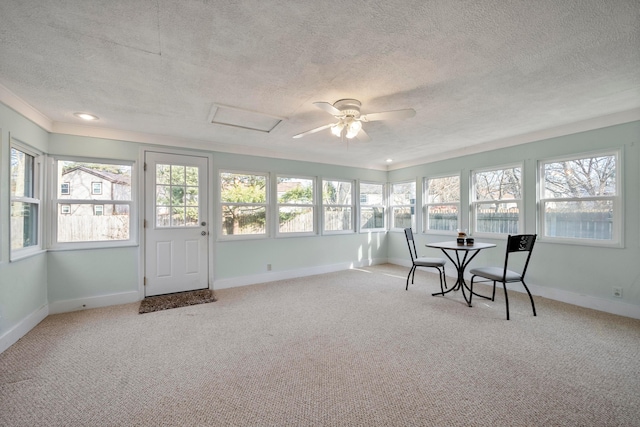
(182, 299)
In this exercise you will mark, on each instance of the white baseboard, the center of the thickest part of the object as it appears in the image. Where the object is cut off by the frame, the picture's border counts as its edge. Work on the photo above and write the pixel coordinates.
(272, 276)
(18, 331)
(619, 308)
(93, 302)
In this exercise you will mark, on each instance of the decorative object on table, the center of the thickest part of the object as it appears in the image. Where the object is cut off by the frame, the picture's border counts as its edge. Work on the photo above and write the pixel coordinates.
(437, 263)
(522, 244)
(470, 241)
(462, 234)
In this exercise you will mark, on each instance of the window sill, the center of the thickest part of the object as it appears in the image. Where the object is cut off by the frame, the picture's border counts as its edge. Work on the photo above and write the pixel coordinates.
(25, 255)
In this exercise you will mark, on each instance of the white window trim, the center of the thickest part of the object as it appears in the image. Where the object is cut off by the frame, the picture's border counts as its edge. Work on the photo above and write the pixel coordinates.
(352, 206)
(39, 160)
(383, 205)
(426, 204)
(276, 206)
(473, 203)
(54, 245)
(268, 212)
(92, 188)
(618, 201)
(391, 205)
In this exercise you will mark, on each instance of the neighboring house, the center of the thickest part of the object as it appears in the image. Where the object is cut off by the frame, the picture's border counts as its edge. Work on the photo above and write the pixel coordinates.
(83, 183)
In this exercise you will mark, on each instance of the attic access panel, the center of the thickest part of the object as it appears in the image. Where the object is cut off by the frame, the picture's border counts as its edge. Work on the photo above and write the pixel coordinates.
(244, 119)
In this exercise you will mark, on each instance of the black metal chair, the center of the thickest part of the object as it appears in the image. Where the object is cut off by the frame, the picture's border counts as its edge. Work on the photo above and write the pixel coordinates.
(521, 243)
(437, 263)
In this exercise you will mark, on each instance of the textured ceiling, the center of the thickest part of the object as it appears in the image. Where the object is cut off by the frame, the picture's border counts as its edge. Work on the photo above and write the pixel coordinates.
(476, 72)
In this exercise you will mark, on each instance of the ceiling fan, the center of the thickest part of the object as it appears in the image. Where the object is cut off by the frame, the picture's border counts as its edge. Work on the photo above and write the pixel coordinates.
(349, 124)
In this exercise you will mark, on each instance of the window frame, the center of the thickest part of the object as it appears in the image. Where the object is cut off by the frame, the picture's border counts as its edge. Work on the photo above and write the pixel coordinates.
(324, 206)
(617, 240)
(220, 204)
(473, 203)
(382, 205)
(93, 188)
(65, 193)
(277, 205)
(412, 206)
(37, 179)
(426, 204)
(54, 211)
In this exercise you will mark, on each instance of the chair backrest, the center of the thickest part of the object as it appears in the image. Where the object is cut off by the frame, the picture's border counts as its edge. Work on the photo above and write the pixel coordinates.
(520, 243)
(412, 245)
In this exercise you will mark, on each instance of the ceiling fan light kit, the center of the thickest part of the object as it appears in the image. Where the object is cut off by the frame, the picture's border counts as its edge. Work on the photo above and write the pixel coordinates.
(349, 124)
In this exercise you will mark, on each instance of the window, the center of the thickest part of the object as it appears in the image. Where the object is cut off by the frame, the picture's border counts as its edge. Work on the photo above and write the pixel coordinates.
(337, 205)
(497, 200)
(372, 208)
(25, 200)
(176, 203)
(442, 203)
(244, 203)
(96, 188)
(80, 220)
(580, 199)
(296, 204)
(403, 205)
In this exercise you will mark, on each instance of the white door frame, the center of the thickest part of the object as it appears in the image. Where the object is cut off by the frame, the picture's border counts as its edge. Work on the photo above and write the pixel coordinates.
(142, 209)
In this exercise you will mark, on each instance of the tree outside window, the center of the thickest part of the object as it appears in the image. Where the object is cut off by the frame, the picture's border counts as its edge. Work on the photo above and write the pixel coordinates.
(497, 199)
(337, 205)
(296, 204)
(442, 206)
(244, 203)
(580, 198)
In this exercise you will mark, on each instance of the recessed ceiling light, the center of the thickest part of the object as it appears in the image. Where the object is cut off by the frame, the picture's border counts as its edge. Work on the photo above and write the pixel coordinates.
(86, 116)
(389, 160)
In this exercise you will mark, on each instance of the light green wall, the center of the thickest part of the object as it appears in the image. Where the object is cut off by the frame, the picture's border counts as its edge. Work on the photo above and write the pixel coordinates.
(250, 257)
(91, 273)
(57, 276)
(583, 270)
(23, 283)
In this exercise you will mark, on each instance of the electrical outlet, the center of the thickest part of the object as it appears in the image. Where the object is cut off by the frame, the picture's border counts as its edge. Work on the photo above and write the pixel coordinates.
(617, 292)
(268, 267)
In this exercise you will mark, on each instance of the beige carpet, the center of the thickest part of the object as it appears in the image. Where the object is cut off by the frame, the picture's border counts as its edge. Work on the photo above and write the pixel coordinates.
(351, 348)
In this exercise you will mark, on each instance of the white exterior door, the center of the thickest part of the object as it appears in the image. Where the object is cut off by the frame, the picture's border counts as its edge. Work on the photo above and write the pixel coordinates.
(176, 228)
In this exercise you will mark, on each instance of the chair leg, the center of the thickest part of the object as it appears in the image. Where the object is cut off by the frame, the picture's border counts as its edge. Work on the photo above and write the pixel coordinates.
(440, 274)
(493, 296)
(506, 298)
(444, 277)
(410, 271)
(530, 297)
(413, 276)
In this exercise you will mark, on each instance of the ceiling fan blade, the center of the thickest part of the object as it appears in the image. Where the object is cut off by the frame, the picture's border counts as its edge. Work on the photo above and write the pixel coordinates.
(328, 108)
(362, 136)
(389, 115)
(300, 135)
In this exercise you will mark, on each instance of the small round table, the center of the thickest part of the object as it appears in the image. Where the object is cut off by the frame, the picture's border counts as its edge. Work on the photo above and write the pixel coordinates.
(470, 251)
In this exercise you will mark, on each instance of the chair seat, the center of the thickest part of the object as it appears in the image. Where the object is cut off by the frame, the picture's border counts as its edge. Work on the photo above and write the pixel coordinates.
(430, 262)
(495, 273)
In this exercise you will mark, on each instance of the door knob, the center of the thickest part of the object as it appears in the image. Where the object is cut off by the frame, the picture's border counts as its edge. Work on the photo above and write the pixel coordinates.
(203, 223)
(204, 233)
